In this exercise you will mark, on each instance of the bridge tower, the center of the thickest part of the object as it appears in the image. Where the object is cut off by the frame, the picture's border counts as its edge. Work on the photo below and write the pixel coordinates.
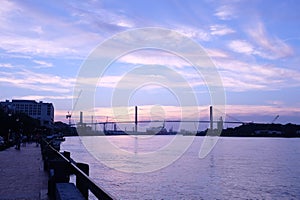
(136, 119)
(211, 118)
(81, 118)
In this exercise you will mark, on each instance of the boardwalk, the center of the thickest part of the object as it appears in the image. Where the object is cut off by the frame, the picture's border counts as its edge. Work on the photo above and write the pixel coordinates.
(21, 174)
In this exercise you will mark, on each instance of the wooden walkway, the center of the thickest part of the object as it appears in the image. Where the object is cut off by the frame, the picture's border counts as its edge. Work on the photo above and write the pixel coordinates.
(21, 174)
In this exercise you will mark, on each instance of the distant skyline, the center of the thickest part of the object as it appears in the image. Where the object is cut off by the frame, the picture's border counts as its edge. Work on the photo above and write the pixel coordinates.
(255, 45)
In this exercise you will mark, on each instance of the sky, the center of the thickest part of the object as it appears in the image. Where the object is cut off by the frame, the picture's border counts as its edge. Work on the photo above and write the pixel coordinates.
(254, 45)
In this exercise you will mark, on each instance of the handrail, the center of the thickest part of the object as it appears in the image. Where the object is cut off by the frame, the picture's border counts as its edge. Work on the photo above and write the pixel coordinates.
(99, 192)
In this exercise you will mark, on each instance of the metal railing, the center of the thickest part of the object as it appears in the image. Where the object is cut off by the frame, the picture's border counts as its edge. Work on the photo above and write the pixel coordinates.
(81, 170)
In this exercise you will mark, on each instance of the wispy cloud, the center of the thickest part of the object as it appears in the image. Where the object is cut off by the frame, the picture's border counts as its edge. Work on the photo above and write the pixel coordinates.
(33, 46)
(259, 110)
(43, 98)
(220, 30)
(269, 47)
(9, 55)
(241, 46)
(43, 64)
(275, 103)
(94, 15)
(6, 65)
(109, 81)
(154, 57)
(38, 29)
(193, 32)
(217, 53)
(225, 12)
(237, 75)
(244, 76)
(37, 81)
(149, 76)
(40, 39)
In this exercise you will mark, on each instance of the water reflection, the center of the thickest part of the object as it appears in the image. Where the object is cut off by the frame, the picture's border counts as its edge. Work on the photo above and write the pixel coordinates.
(250, 168)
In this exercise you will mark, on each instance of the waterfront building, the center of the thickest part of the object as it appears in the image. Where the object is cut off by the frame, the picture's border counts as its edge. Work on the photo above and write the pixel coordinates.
(44, 112)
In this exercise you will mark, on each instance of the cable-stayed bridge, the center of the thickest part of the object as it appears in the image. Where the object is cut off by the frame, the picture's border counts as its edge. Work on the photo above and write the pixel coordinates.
(211, 121)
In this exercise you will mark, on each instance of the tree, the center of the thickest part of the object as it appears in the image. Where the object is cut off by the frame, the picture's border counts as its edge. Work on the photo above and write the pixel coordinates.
(17, 122)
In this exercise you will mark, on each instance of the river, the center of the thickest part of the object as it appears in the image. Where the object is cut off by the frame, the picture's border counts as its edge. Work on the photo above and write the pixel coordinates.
(236, 168)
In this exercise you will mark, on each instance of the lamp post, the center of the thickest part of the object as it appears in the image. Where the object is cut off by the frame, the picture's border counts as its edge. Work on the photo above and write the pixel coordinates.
(9, 128)
(18, 142)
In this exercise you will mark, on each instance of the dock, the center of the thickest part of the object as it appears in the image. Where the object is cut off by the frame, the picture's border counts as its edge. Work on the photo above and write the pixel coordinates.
(22, 175)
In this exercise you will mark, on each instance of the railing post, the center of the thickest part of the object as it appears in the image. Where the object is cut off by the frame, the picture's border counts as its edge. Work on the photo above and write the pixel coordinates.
(61, 166)
(59, 172)
(80, 181)
(67, 154)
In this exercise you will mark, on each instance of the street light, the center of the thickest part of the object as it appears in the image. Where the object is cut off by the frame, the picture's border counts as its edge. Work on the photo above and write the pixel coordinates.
(9, 130)
(18, 144)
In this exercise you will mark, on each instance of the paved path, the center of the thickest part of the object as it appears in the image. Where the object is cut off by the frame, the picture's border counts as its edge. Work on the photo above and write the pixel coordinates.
(21, 174)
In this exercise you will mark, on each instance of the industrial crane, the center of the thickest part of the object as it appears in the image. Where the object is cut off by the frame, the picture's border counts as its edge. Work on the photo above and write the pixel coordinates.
(69, 115)
(277, 116)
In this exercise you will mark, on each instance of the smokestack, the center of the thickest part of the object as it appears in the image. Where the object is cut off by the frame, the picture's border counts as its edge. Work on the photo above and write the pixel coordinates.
(81, 118)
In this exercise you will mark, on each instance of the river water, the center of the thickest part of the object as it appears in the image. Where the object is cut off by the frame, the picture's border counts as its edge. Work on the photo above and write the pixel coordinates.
(236, 168)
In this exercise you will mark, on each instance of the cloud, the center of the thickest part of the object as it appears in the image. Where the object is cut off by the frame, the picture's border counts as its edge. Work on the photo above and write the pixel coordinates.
(216, 53)
(244, 76)
(6, 65)
(36, 81)
(225, 12)
(43, 98)
(27, 30)
(32, 29)
(220, 30)
(94, 15)
(9, 55)
(33, 46)
(241, 46)
(237, 75)
(275, 103)
(154, 57)
(233, 82)
(268, 47)
(262, 44)
(38, 29)
(192, 32)
(148, 77)
(109, 81)
(260, 110)
(43, 64)
(7, 7)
